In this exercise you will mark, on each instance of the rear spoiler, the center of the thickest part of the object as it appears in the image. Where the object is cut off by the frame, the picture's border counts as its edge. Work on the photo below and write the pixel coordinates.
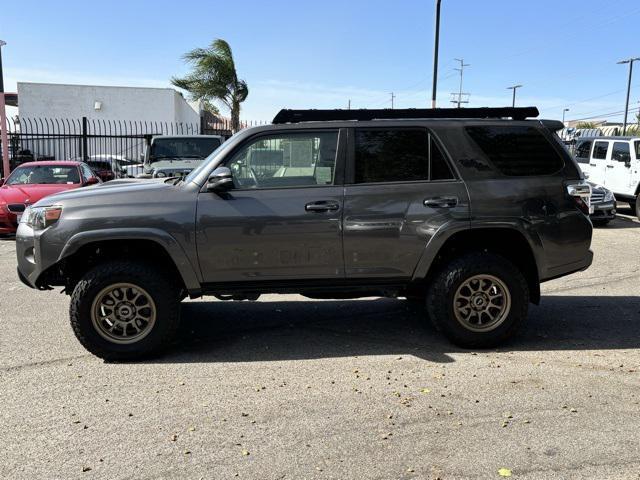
(553, 125)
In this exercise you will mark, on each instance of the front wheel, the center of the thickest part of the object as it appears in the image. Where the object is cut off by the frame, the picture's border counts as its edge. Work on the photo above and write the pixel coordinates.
(124, 311)
(636, 207)
(478, 300)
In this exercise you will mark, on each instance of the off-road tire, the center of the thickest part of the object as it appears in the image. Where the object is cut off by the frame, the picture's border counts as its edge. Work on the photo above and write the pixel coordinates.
(636, 207)
(157, 283)
(442, 289)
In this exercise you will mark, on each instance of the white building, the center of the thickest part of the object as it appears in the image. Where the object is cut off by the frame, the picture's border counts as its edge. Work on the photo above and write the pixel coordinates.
(118, 119)
(50, 100)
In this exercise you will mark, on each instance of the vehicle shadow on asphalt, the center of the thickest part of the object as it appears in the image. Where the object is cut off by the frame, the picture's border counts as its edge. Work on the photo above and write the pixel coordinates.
(295, 330)
(621, 222)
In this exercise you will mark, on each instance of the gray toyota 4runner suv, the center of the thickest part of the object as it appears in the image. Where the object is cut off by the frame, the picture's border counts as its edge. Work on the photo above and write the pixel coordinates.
(466, 215)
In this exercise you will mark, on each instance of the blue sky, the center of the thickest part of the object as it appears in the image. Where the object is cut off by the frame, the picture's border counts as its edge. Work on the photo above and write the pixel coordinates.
(320, 54)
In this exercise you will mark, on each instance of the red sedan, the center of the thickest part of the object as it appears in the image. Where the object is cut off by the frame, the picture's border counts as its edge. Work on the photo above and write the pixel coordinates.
(32, 181)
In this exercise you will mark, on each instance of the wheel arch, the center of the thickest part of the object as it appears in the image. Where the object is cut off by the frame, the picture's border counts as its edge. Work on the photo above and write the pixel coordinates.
(505, 240)
(86, 249)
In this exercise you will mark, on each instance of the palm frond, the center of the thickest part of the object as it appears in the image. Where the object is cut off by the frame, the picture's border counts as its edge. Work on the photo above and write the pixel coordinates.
(214, 77)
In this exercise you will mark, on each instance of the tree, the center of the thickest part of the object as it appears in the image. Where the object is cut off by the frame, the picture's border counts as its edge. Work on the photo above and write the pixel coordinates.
(208, 106)
(214, 78)
(586, 125)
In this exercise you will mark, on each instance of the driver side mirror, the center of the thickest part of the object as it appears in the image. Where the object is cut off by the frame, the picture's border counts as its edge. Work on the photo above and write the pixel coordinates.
(91, 181)
(221, 179)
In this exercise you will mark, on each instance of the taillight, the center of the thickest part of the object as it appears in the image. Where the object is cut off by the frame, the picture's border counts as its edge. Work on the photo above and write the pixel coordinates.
(581, 195)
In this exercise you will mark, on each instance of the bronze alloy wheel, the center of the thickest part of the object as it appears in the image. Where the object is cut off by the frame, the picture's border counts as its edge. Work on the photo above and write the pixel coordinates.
(123, 313)
(482, 303)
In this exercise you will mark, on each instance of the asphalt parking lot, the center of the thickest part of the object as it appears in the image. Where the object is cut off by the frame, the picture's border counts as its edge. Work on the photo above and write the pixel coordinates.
(292, 388)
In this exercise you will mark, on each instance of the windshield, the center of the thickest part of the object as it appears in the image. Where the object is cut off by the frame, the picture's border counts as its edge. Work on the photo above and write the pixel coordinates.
(211, 158)
(170, 148)
(44, 175)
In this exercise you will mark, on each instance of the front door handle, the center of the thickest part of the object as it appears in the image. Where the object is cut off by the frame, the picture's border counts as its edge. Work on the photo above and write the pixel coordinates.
(441, 202)
(609, 166)
(322, 206)
(592, 164)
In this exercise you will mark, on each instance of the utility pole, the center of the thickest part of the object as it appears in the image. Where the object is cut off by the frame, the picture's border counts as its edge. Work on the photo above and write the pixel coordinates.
(349, 105)
(436, 44)
(459, 100)
(392, 98)
(3, 122)
(514, 88)
(563, 112)
(626, 104)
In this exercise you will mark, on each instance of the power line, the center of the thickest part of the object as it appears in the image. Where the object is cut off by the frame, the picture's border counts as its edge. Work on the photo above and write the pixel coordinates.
(606, 115)
(459, 95)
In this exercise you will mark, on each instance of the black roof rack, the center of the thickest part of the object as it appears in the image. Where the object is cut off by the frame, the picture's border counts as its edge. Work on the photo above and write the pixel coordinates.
(296, 116)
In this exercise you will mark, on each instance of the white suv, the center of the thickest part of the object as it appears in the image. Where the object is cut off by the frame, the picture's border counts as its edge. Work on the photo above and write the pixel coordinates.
(615, 163)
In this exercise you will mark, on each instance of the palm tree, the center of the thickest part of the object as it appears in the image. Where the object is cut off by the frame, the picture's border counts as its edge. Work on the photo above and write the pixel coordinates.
(214, 78)
(586, 125)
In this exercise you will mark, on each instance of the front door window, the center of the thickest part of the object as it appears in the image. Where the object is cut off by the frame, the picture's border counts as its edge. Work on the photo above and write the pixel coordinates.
(286, 160)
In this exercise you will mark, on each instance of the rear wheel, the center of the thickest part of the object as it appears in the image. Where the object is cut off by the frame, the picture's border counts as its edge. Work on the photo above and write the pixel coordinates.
(636, 207)
(478, 300)
(125, 311)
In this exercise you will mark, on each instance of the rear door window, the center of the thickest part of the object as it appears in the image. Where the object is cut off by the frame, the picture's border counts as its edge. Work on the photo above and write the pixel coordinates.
(517, 150)
(600, 150)
(621, 152)
(398, 155)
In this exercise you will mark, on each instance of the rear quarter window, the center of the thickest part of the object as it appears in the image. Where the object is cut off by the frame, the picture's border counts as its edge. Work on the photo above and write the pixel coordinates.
(517, 150)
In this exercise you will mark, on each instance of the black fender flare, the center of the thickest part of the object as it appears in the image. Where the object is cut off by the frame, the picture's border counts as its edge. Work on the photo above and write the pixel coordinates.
(165, 240)
(447, 231)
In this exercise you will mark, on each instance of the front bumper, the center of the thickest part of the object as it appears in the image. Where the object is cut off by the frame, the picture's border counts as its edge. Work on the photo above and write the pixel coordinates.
(604, 211)
(34, 255)
(8, 222)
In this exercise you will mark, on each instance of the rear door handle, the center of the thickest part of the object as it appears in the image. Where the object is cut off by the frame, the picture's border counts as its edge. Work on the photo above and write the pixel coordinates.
(441, 202)
(609, 166)
(322, 206)
(592, 164)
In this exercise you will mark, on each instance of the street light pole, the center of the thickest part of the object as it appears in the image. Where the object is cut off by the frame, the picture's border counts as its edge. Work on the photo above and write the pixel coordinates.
(563, 112)
(514, 88)
(436, 44)
(626, 105)
(3, 122)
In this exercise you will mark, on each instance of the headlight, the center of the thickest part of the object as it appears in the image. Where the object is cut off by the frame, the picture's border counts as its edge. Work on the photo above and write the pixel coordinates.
(40, 218)
(608, 196)
(161, 174)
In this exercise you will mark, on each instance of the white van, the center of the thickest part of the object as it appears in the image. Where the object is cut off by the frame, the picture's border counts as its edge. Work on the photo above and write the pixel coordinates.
(615, 163)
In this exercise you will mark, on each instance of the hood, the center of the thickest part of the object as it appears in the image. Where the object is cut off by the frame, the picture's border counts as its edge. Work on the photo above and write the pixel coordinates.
(114, 187)
(598, 188)
(31, 193)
